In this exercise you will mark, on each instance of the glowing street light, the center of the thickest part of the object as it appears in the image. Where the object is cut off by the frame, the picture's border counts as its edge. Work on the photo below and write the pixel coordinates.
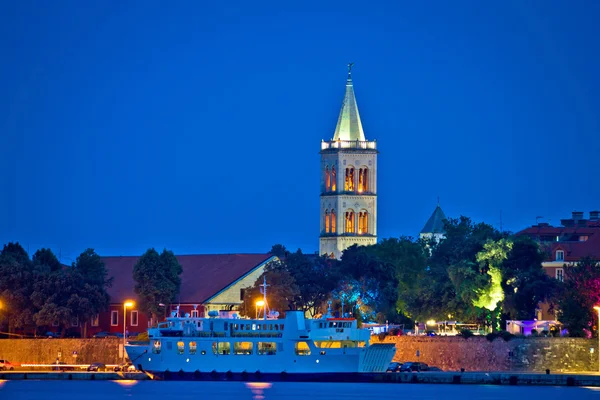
(128, 303)
(597, 308)
(259, 303)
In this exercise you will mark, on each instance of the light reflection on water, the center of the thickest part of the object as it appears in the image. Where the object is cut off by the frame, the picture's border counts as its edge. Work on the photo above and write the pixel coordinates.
(257, 389)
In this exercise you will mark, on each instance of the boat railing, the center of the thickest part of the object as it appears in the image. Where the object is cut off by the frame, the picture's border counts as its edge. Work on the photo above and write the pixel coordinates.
(257, 334)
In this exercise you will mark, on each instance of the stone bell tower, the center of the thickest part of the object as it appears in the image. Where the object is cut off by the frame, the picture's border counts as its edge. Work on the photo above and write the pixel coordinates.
(348, 183)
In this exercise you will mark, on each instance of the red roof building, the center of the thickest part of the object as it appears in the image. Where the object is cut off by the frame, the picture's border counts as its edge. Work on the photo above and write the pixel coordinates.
(567, 244)
(208, 282)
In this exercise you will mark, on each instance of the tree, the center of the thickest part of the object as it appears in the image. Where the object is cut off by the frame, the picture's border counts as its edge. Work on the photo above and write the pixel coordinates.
(57, 291)
(280, 251)
(156, 280)
(453, 276)
(525, 283)
(282, 291)
(16, 285)
(95, 298)
(315, 278)
(578, 296)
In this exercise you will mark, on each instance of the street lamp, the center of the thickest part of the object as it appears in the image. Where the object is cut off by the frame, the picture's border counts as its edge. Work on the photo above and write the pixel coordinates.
(597, 308)
(259, 303)
(127, 303)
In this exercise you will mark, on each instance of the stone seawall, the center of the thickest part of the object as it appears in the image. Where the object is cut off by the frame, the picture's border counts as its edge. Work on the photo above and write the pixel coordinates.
(447, 353)
(45, 351)
(479, 354)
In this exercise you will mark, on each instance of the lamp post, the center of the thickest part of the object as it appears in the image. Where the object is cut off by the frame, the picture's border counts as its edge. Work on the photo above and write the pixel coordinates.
(597, 308)
(259, 303)
(128, 303)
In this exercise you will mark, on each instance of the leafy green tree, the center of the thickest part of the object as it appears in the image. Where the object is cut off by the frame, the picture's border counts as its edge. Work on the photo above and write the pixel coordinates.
(157, 280)
(46, 258)
(282, 291)
(525, 283)
(578, 296)
(57, 291)
(280, 251)
(453, 274)
(94, 298)
(315, 277)
(16, 285)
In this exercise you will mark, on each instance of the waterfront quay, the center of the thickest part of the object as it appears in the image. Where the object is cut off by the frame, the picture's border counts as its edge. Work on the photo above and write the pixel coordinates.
(466, 378)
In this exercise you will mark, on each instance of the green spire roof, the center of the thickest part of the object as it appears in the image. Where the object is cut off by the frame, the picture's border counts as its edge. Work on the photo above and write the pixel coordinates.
(435, 223)
(349, 126)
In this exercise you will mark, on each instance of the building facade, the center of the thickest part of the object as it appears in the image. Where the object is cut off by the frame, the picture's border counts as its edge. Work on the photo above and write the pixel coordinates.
(348, 211)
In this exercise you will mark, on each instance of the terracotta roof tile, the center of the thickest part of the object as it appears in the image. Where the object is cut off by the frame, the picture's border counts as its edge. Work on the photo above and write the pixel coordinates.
(204, 275)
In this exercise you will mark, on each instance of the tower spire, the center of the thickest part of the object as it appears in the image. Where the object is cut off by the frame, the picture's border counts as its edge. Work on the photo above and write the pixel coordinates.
(349, 126)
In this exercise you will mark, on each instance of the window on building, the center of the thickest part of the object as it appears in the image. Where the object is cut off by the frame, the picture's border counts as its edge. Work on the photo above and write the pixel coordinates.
(349, 180)
(333, 221)
(363, 223)
(134, 318)
(95, 320)
(333, 180)
(55, 323)
(349, 221)
(74, 321)
(560, 274)
(583, 238)
(327, 179)
(327, 221)
(363, 185)
(114, 318)
(560, 255)
(195, 312)
(242, 292)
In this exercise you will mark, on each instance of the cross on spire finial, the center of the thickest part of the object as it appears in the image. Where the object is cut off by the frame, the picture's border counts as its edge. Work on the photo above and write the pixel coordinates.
(350, 70)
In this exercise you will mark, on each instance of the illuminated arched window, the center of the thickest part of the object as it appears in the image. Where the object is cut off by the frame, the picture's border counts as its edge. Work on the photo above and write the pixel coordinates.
(333, 179)
(333, 221)
(327, 226)
(363, 184)
(363, 222)
(327, 179)
(349, 180)
(349, 221)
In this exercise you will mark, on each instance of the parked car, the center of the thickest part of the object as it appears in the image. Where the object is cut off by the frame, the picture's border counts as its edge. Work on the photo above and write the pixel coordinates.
(108, 334)
(125, 367)
(97, 367)
(394, 367)
(434, 369)
(6, 365)
(414, 367)
(51, 335)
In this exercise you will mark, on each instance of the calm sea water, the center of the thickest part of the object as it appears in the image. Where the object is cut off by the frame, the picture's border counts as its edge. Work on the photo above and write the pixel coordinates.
(114, 390)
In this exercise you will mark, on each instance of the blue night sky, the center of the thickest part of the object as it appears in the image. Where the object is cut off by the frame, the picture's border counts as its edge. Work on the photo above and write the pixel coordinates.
(196, 125)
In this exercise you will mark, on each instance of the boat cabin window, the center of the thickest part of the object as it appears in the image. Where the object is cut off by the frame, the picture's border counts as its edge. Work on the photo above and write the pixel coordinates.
(302, 349)
(242, 348)
(156, 347)
(180, 347)
(226, 325)
(276, 327)
(221, 348)
(267, 348)
(192, 347)
(281, 327)
(264, 327)
(169, 345)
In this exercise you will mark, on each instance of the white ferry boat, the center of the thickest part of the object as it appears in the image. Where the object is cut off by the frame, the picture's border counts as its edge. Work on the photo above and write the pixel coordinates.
(226, 343)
